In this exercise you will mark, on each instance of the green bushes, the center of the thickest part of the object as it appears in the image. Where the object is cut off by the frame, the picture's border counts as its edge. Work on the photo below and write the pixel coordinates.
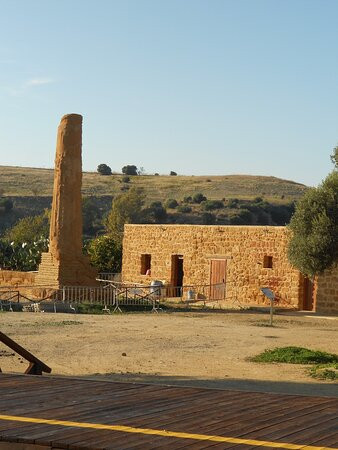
(198, 198)
(296, 355)
(105, 253)
(6, 205)
(184, 209)
(103, 169)
(171, 203)
(156, 213)
(22, 256)
(210, 205)
(208, 219)
(325, 365)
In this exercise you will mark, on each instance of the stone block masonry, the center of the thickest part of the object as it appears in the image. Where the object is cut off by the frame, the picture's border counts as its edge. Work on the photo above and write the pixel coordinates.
(256, 256)
(245, 249)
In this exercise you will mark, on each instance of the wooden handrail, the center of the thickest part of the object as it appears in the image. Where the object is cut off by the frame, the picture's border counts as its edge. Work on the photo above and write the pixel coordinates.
(36, 367)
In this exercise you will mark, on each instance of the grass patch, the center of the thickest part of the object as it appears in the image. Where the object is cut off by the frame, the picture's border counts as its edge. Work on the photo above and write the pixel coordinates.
(296, 355)
(264, 324)
(325, 372)
(61, 323)
(89, 308)
(97, 308)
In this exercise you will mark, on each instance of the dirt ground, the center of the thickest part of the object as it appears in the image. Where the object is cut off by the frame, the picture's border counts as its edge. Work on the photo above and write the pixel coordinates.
(166, 347)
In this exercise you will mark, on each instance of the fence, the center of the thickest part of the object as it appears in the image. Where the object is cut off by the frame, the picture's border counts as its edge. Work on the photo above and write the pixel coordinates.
(104, 295)
(7, 298)
(113, 295)
(109, 276)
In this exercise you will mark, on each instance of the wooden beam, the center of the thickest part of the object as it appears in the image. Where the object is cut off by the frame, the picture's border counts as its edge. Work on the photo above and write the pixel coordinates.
(36, 367)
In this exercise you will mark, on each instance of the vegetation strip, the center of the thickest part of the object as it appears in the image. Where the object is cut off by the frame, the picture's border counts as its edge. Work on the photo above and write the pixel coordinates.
(174, 434)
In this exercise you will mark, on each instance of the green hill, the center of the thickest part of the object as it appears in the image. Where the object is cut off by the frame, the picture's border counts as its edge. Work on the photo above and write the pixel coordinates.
(242, 199)
(24, 181)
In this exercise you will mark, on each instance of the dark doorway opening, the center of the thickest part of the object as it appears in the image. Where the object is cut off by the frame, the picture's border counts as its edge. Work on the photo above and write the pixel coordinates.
(308, 295)
(177, 275)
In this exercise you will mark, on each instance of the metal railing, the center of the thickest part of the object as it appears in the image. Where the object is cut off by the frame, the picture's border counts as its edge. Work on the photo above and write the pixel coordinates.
(113, 295)
(109, 276)
(7, 298)
(137, 296)
(104, 295)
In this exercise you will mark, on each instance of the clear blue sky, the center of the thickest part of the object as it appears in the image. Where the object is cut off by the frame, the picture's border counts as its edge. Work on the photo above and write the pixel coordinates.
(199, 87)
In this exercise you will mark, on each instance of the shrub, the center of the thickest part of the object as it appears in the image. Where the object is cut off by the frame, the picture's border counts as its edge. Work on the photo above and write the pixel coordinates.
(171, 203)
(126, 208)
(103, 169)
(6, 204)
(243, 217)
(126, 179)
(198, 198)
(129, 170)
(172, 173)
(296, 355)
(29, 229)
(156, 212)
(187, 199)
(324, 371)
(105, 253)
(209, 205)
(22, 256)
(156, 174)
(233, 203)
(208, 219)
(184, 209)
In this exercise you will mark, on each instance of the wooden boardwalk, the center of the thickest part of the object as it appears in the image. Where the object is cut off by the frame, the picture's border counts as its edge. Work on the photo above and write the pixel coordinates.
(70, 413)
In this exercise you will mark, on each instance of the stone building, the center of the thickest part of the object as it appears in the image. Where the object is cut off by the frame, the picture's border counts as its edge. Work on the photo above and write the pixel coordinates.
(224, 264)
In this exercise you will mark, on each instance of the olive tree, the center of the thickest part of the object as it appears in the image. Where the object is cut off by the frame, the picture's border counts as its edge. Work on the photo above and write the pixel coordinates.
(314, 242)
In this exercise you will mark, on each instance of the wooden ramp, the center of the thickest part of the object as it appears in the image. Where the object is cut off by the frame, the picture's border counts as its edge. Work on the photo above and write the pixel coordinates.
(70, 413)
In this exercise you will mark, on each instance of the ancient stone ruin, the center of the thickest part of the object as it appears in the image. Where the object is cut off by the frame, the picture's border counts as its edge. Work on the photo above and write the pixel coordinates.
(65, 264)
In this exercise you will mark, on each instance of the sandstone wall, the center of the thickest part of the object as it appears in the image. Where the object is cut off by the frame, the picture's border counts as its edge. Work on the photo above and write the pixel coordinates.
(18, 281)
(327, 292)
(12, 278)
(244, 247)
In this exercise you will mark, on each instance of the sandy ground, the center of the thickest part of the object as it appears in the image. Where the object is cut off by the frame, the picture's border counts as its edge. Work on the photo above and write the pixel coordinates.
(190, 348)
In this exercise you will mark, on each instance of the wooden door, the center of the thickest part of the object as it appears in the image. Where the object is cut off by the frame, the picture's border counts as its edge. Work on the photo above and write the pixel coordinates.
(217, 279)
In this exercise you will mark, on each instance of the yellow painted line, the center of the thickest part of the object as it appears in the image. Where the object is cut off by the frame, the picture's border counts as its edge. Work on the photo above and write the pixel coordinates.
(150, 431)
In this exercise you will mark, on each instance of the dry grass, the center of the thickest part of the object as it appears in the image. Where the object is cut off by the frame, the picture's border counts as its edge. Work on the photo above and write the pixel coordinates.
(23, 181)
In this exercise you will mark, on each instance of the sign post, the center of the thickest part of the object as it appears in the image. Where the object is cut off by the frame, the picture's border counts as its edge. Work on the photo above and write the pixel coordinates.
(271, 296)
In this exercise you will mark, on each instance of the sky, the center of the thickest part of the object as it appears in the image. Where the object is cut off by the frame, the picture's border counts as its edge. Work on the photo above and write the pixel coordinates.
(200, 87)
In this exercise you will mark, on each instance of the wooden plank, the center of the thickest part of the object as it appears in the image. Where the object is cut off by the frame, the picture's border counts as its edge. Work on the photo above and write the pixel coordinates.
(276, 418)
(36, 366)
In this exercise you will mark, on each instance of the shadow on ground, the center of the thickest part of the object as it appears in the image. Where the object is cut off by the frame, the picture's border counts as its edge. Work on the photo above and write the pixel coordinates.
(279, 387)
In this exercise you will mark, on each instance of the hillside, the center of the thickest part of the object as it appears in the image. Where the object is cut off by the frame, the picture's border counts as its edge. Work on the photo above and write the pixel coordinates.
(30, 182)
(230, 199)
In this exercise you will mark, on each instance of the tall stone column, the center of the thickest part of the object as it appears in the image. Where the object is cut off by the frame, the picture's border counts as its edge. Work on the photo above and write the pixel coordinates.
(64, 264)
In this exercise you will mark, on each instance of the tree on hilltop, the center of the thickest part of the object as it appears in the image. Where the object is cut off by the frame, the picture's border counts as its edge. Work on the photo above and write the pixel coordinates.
(129, 170)
(103, 169)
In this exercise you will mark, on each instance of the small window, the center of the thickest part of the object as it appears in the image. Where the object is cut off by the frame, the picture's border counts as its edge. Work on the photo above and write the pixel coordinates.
(145, 264)
(267, 262)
